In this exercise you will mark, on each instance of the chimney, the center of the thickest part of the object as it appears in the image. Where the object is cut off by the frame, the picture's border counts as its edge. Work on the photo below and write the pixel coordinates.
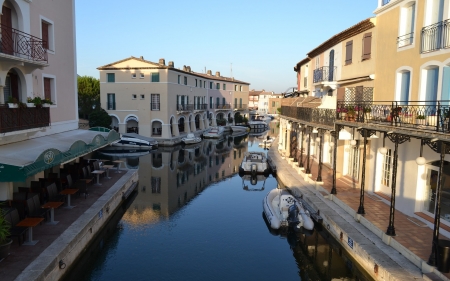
(184, 68)
(141, 57)
(188, 68)
(162, 62)
(171, 64)
(209, 72)
(217, 74)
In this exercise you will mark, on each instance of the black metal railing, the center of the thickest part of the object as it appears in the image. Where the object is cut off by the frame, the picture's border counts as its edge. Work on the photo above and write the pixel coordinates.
(240, 106)
(426, 115)
(385, 2)
(201, 106)
(20, 44)
(111, 105)
(435, 37)
(324, 73)
(185, 107)
(155, 106)
(222, 106)
(405, 40)
(17, 119)
(319, 116)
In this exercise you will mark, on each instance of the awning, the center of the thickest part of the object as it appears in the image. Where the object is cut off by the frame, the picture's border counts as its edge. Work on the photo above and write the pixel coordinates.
(20, 160)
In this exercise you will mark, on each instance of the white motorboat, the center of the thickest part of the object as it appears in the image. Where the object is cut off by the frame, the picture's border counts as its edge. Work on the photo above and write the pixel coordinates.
(123, 152)
(257, 125)
(267, 142)
(283, 210)
(214, 133)
(239, 128)
(135, 140)
(254, 163)
(191, 139)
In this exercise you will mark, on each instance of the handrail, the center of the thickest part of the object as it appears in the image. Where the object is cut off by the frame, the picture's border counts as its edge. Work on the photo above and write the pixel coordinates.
(20, 44)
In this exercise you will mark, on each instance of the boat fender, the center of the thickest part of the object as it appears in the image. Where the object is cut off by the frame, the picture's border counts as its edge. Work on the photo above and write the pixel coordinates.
(254, 169)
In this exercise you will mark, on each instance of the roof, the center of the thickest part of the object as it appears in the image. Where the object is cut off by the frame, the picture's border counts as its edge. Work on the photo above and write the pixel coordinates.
(300, 63)
(154, 65)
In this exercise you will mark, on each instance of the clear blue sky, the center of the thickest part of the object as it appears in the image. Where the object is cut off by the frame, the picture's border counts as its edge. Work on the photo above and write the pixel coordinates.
(263, 40)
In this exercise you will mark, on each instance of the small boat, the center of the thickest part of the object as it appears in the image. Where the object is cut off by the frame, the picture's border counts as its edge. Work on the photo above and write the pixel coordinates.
(191, 139)
(257, 125)
(253, 181)
(214, 133)
(254, 163)
(135, 140)
(283, 210)
(239, 128)
(267, 142)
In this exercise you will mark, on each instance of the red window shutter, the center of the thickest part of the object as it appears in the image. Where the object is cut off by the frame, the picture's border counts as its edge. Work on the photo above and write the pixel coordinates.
(348, 52)
(367, 46)
(341, 94)
(47, 89)
(45, 35)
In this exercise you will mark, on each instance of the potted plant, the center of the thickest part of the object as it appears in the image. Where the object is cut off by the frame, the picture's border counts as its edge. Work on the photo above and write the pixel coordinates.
(342, 112)
(30, 102)
(420, 120)
(351, 113)
(46, 102)
(5, 240)
(13, 102)
(367, 113)
(37, 102)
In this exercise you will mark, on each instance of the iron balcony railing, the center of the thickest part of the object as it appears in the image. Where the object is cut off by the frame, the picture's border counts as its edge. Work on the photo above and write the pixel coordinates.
(319, 116)
(20, 44)
(324, 73)
(240, 106)
(405, 40)
(436, 37)
(424, 115)
(201, 106)
(222, 106)
(17, 119)
(111, 106)
(185, 107)
(155, 106)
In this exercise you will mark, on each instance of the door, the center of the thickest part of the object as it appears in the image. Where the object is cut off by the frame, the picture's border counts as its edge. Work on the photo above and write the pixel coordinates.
(353, 164)
(7, 34)
(14, 85)
(331, 66)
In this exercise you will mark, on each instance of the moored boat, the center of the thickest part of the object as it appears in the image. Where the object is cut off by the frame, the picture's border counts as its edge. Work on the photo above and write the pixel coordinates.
(283, 210)
(254, 163)
(239, 128)
(214, 133)
(135, 140)
(191, 139)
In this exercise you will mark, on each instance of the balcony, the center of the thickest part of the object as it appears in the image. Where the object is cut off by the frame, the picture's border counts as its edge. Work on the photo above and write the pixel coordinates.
(185, 107)
(435, 37)
(222, 106)
(240, 107)
(17, 119)
(324, 74)
(200, 106)
(22, 45)
(405, 40)
(318, 116)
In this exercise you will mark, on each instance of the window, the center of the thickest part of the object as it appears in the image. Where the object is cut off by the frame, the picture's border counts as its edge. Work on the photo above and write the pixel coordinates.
(110, 77)
(241, 89)
(142, 75)
(156, 184)
(210, 102)
(386, 169)
(210, 85)
(204, 84)
(223, 101)
(142, 97)
(224, 87)
(217, 102)
(133, 75)
(111, 102)
(317, 62)
(196, 83)
(367, 46)
(273, 104)
(305, 82)
(47, 88)
(218, 86)
(47, 28)
(185, 80)
(235, 88)
(154, 103)
(179, 79)
(134, 96)
(155, 77)
(405, 78)
(406, 30)
(348, 52)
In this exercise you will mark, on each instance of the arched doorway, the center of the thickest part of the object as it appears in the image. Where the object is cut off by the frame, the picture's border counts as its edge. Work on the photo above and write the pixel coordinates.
(132, 124)
(197, 122)
(114, 123)
(156, 128)
(12, 91)
(181, 125)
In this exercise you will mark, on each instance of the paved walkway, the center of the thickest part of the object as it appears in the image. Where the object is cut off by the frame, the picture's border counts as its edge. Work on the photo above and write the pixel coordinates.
(413, 239)
(22, 256)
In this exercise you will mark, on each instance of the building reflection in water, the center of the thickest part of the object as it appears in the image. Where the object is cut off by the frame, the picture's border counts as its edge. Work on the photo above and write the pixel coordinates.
(170, 177)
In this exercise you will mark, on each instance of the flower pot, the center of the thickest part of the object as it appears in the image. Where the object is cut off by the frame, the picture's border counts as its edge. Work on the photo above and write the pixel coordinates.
(30, 104)
(13, 105)
(343, 115)
(420, 121)
(45, 105)
(4, 249)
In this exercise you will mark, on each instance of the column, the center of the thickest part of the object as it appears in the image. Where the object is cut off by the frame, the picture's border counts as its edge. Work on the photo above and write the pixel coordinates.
(319, 176)
(308, 168)
(361, 210)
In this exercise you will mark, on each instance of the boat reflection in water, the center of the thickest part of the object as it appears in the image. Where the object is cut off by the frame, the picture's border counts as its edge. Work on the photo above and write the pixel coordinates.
(253, 180)
(170, 177)
(318, 255)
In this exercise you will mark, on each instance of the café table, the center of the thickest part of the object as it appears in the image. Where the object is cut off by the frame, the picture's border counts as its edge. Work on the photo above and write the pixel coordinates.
(30, 223)
(68, 192)
(107, 167)
(118, 162)
(52, 206)
(98, 173)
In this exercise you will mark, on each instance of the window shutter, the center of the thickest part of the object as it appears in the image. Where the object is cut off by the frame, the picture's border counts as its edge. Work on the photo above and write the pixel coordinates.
(341, 94)
(367, 46)
(348, 52)
(45, 35)
(47, 89)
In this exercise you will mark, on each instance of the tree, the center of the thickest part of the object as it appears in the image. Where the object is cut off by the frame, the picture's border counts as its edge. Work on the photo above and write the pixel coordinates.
(88, 95)
(100, 118)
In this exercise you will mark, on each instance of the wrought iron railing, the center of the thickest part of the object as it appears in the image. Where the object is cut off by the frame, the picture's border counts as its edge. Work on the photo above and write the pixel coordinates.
(324, 73)
(20, 44)
(436, 37)
(111, 106)
(240, 106)
(320, 116)
(155, 106)
(17, 119)
(426, 115)
(405, 40)
(185, 107)
(200, 106)
(222, 106)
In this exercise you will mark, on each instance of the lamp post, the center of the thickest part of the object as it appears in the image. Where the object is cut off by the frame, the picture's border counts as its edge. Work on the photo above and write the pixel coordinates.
(361, 210)
(335, 144)
(320, 137)
(308, 168)
(300, 163)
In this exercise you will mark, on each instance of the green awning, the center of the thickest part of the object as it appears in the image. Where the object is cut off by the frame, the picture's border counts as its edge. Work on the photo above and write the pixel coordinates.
(23, 159)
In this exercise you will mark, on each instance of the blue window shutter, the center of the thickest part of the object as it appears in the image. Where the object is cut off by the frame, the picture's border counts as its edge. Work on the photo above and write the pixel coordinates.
(404, 91)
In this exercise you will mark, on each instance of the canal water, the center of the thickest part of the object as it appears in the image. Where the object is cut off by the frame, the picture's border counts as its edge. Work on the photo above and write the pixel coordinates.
(194, 218)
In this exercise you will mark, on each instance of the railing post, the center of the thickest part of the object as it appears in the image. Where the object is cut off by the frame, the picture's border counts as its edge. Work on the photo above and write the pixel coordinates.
(300, 163)
(438, 117)
(308, 168)
(319, 176)
(361, 210)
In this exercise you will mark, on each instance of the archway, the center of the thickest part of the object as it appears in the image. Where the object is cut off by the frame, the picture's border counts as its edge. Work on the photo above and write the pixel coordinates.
(114, 123)
(156, 128)
(197, 122)
(132, 124)
(15, 86)
(181, 125)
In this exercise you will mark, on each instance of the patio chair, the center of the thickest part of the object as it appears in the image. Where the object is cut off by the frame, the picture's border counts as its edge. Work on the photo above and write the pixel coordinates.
(82, 188)
(53, 194)
(16, 231)
(32, 212)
